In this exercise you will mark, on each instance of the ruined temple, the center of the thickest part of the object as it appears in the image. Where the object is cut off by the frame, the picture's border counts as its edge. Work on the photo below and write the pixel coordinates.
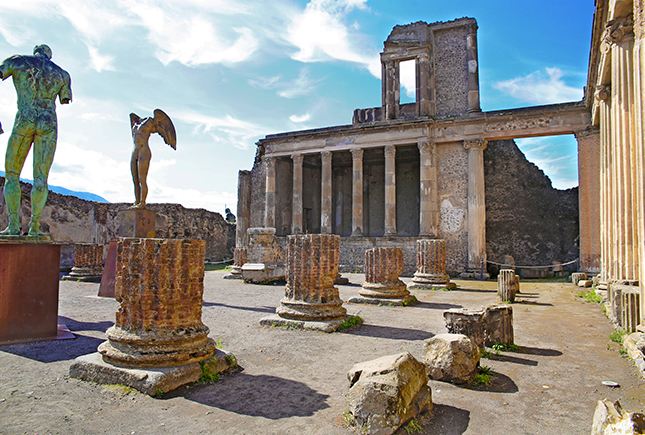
(401, 172)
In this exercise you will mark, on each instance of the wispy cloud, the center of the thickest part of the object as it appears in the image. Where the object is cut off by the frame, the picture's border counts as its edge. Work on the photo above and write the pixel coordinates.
(555, 156)
(300, 86)
(320, 34)
(300, 118)
(538, 88)
(265, 82)
(225, 130)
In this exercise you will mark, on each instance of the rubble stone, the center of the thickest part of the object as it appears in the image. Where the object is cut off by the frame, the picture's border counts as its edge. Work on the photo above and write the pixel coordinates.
(611, 418)
(451, 358)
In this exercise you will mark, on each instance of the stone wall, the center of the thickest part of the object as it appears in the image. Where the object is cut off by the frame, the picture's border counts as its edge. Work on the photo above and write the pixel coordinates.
(71, 220)
(525, 216)
(451, 70)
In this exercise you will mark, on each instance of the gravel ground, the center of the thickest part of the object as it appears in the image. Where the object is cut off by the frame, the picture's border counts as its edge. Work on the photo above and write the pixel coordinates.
(293, 381)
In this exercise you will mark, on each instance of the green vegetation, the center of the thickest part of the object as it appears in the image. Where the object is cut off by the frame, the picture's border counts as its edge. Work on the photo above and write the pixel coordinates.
(231, 361)
(208, 376)
(413, 427)
(348, 419)
(622, 352)
(617, 336)
(501, 347)
(159, 392)
(590, 296)
(484, 377)
(221, 266)
(410, 302)
(349, 322)
(486, 353)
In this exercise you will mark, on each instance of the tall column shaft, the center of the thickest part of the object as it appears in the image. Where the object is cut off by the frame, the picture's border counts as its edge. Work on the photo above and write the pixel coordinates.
(588, 199)
(473, 70)
(296, 218)
(269, 216)
(429, 206)
(243, 208)
(606, 264)
(425, 86)
(476, 203)
(357, 192)
(325, 209)
(391, 89)
(639, 139)
(390, 191)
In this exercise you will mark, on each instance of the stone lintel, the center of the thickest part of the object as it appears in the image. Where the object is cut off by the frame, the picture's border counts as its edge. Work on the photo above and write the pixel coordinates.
(151, 381)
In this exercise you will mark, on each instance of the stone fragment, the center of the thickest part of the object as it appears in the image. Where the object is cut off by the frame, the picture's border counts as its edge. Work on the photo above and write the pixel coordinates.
(611, 418)
(387, 392)
(451, 358)
(431, 265)
(507, 285)
(466, 322)
(498, 325)
(584, 283)
(265, 257)
(578, 276)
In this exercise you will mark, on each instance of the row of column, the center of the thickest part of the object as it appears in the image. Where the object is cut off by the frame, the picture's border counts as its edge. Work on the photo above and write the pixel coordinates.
(429, 204)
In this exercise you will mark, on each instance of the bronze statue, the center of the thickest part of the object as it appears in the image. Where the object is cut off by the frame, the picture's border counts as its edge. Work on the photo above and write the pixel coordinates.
(38, 81)
(141, 154)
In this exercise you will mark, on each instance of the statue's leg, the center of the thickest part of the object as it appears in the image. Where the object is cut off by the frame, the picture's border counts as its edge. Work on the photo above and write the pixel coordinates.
(17, 150)
(134, 168)
(44, 148)
(144, 164)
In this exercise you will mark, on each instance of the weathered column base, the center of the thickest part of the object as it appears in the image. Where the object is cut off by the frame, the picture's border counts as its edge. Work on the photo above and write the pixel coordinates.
(300, 310)
(240, 257)
(381, 294)
(235, 273)
(275, 320)
(392, 302)
(84, 274)
(153, 381)
(429, 281)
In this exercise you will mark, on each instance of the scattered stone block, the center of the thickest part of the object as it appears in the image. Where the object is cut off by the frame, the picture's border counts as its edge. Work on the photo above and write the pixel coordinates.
(387, 392)
(578, 276)
(584, 283)
(611, 418)
(310, 295)
(431, 265)
(498, 325)
(507, 285)
(265, 260)
(451, 358)
(466, 322)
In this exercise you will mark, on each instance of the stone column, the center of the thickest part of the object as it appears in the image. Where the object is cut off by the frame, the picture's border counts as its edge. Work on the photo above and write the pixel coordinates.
(296, 220)
(390, 191)
(602, 98)
(383, 266)
(429, 207)
(357, 192)
(269, 217)
(325, 193)
(425, 86)
(431, 265)
(476, 206)
(473, 70)
(242, 225)
(311, 300)
(160, 284)
(589, 199)
(391, 89)
(88, 262)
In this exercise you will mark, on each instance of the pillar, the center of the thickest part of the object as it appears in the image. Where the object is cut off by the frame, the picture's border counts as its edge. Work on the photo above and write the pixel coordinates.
(390, 191)
(88, 261)
(425, 86)
(269, 217)
(383, 267)
(296, 219)
(326, 203)
(476, 204)
(589, 192)
(391, 90)
(357, 192)
(606, 264)
(431, 264)
(243, 222)
(160, 286)
(429, 207)
(473, 70)
(312, 266)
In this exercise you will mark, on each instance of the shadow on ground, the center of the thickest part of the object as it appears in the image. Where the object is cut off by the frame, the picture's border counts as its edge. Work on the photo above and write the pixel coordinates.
(434, 306)
(445, 420)
(270, 310)
(258, 396)
(367, 330)
(500, 384)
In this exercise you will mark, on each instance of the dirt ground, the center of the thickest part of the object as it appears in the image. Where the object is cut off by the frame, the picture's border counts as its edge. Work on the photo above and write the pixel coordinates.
(293, 381)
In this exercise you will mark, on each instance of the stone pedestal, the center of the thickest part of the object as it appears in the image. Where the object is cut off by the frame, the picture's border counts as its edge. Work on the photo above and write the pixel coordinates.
(507, 285)
(135, 222)
(160, 285)
(28, 292)
(431, 265)
(265, 257)
(311, 300)
(88, 262)
(382, 285)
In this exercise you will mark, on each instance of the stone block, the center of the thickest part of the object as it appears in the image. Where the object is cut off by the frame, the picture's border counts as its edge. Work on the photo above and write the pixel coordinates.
(611, 418)
(585, 283)
(108, 280)
(260, 273)
(139, 223)
(451, 358)
(265, 258)
(387, 392)
(578, 276)
(466, 322)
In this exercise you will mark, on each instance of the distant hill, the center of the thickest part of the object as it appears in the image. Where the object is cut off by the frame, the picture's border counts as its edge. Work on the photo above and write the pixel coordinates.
(63, 191)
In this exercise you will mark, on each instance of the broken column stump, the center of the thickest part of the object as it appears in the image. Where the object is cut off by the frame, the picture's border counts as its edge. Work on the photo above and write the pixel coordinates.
(88, 262)
(498, 325)
(158, 340)
(466, 322)
(382, 285)
(265, 257)
(311, 301)
(431, 265)
(507, 285)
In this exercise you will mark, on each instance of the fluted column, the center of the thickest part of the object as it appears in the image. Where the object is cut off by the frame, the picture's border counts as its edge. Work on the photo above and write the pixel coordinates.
(589, 192)
(357, 192)
(383, 267)
(243, 208)
(269, 216)
(431, 265)
(476, 203)
(473, 70)
(296, 219)
(390, 191)
(325, 209)
(429, 207)
(606, 229)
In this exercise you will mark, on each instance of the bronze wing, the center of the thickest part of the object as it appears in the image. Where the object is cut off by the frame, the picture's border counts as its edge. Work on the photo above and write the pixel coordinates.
(165, 128)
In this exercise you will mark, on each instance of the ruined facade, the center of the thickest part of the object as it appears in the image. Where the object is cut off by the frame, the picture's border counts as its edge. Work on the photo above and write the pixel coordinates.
(400, 172)
(615, 88)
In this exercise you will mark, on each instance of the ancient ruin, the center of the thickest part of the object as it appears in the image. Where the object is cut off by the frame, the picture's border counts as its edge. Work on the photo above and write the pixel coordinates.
(88, 262)
(431, 265)
(451, 358)
(508, 284)
(383, 267)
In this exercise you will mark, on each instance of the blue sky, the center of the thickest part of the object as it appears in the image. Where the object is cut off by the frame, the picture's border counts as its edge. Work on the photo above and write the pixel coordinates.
(230, 72)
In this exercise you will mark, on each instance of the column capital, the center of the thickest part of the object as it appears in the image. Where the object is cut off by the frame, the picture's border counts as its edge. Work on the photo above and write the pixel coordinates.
(325, 156)
(390, 151)
(594, 130)
(426, 147)
(616, 31)
(297, 158)
(602, 93)
(269, 160)
(475, 144)
(357, 153)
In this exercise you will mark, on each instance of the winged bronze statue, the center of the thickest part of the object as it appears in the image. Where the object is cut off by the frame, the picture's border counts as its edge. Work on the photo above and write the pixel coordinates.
(142, 128)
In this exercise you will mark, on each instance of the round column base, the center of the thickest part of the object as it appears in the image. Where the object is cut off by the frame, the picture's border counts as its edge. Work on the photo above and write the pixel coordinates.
(299, 310)
(388, 291)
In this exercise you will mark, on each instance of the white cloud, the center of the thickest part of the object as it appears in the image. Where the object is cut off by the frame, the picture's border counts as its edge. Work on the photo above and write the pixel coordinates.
(100, 62)
(321, 35)
(265, 82)
(226, 130)
(556, 156)
(536, 88)
(408, 77)
(300, 86)
(300, 118)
